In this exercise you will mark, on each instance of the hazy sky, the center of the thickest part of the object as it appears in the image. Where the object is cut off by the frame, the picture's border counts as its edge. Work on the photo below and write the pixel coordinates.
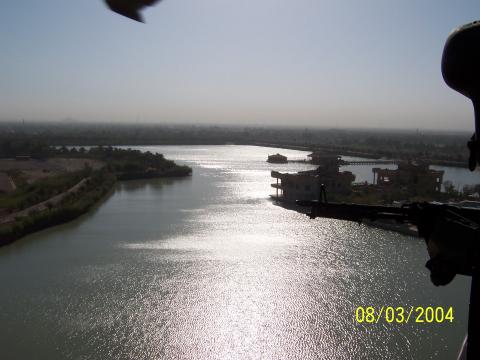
(361, 63)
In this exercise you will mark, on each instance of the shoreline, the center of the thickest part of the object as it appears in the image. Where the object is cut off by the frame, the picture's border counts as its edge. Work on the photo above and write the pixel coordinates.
(12, 231)
(52, 216)
(352, 153)
(39, 205)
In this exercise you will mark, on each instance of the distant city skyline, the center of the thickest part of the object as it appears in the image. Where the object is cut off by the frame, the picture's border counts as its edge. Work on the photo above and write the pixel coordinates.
(312, 63)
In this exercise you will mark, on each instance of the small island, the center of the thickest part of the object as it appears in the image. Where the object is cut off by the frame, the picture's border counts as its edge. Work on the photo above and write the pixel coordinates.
(42, 186)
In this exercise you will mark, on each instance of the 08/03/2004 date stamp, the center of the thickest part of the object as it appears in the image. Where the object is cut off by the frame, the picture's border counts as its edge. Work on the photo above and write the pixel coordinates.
(403, 315)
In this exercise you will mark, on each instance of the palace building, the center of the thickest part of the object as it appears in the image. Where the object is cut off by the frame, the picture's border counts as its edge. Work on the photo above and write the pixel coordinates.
(305, 185)
(415, 177)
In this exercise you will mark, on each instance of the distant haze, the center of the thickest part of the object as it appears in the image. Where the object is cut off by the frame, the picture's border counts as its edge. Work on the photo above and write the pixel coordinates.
(254, 62)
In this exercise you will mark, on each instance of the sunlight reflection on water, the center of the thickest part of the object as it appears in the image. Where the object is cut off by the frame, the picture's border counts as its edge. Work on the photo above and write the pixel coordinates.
(209, 268)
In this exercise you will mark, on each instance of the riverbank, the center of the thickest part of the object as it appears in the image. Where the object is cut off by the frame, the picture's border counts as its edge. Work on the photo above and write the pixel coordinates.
(344, 151)
(47, 196)
(62, 208)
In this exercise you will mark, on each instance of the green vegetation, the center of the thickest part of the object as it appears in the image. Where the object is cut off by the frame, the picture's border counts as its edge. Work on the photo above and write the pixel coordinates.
(439, 148)
(71, 206)
(129, 164)
(12, 146)
(31, 206)
(133, 164)
(30, 194)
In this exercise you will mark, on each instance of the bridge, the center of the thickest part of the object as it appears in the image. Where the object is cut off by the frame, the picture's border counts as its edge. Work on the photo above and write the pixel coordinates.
(359, 162)
(370, 162)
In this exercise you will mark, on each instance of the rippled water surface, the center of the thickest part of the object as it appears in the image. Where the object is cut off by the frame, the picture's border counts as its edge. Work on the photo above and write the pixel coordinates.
(208, 268)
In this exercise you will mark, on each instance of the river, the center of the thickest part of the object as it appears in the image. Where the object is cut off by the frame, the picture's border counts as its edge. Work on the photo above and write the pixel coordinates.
(208, 268)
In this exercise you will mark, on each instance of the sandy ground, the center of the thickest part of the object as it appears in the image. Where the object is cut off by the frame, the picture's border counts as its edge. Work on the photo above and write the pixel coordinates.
(6, 183)
(40, 206)
(34, 169)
